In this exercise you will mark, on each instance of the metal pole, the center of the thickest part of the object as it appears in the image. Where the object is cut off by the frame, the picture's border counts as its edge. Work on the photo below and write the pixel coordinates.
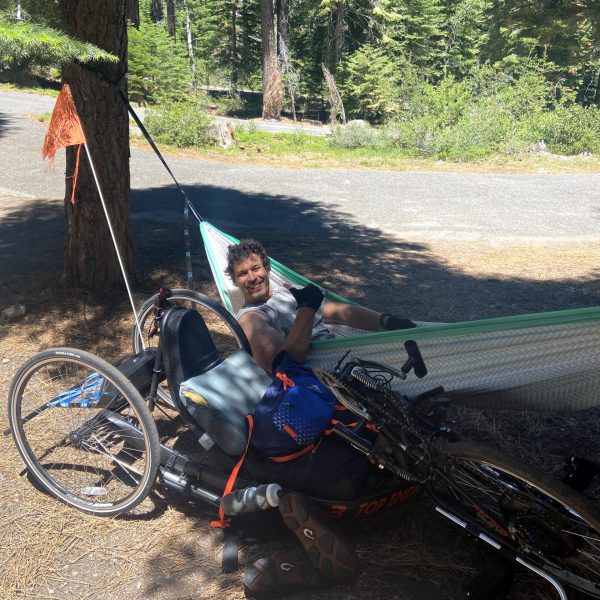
(114, 239)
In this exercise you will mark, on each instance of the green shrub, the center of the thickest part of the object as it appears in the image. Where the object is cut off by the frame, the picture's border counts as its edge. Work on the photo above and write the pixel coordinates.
(359, 135)
(416, 137)
(182, 124)
(487, 128)
(571, 129)
(492, 112)
(444, 102)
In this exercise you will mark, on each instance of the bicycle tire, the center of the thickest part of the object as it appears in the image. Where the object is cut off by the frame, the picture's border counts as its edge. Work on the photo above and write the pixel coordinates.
(225, 330)
(537, 516)
(84, 432)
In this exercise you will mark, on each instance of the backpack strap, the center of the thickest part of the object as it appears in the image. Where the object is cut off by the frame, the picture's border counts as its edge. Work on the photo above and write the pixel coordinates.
(288, 457)
(223, 523)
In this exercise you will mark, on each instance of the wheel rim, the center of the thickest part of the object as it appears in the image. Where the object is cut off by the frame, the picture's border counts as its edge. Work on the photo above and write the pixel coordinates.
(74, 443)
(541, 526)
(224, 337)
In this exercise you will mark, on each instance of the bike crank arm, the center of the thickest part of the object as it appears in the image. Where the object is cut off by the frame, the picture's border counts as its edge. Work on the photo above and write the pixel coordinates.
(518, 559)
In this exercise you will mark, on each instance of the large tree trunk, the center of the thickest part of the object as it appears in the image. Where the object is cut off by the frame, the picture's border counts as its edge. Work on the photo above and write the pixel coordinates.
(339, 17)
(282, 9)
(171, 17)
(157, 11)
(272, 85)
(90, 259)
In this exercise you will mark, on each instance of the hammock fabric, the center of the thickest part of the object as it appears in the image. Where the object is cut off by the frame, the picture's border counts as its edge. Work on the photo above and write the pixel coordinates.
(539, 361)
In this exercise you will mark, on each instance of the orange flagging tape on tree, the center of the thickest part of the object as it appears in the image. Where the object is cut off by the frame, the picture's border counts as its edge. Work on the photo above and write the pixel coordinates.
(65, 130)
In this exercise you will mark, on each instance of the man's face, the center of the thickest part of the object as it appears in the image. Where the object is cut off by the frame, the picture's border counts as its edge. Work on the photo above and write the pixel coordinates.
(252, 278)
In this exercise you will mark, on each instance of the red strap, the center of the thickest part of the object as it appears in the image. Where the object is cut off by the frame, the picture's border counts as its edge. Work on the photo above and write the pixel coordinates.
(280, 459)
(222, 523)
(287, 382)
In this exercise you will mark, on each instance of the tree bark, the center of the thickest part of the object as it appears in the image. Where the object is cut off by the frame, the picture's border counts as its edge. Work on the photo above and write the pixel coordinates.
(338, 35)
(272, 85)
(90, 259)
(190, 44)
(171, 18)
(282, 9)
(157, 11)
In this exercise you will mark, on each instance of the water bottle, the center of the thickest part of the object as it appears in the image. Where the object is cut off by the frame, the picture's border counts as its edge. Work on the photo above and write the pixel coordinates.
(251, 499)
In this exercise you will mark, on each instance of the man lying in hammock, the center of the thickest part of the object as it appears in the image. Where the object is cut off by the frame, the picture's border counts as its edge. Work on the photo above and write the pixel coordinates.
(269, 312)
(280, 324)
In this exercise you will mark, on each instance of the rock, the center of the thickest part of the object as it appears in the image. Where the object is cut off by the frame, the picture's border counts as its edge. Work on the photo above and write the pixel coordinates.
(357, 123)
(14, 312)
(5, 361)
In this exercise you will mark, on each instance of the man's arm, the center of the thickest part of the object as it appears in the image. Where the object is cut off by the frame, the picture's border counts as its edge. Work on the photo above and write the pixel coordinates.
(266, 342)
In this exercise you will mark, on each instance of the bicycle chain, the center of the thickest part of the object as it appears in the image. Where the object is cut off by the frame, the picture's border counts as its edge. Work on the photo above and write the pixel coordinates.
(334, 383)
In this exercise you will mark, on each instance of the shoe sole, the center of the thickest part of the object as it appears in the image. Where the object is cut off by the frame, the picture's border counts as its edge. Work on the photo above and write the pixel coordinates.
(326, 550)
(285, 573)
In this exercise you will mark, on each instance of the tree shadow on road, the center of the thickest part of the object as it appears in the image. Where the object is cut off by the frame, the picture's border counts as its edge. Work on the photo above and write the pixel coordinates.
(331, 247)
(350, 258)
(7, 123)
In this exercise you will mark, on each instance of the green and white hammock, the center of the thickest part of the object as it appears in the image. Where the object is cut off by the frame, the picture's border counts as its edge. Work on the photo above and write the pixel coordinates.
(542, 361)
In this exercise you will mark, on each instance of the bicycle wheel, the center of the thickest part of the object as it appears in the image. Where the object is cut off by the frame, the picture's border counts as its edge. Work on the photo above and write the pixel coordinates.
(227, 335)
(542, 519)
(83, 430)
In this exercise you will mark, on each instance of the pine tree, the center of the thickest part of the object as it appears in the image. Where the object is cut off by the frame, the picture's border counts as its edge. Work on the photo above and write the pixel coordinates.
(158, 68)
(26, 45)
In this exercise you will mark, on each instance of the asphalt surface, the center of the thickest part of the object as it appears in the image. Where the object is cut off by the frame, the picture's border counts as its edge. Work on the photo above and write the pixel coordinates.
(410, 206)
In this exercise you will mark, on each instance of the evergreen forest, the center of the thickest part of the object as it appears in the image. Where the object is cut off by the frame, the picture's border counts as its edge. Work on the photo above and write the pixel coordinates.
(451, 79)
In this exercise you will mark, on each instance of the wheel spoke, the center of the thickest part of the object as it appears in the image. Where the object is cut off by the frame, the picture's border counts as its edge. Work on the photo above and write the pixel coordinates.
(74, 450)
(546, 521)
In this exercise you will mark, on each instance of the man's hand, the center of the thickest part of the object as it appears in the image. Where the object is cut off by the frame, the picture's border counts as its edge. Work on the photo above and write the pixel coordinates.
(310, 296)
(392, 323)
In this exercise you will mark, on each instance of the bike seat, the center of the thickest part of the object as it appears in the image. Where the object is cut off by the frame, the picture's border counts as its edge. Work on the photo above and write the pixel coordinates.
(212, 395)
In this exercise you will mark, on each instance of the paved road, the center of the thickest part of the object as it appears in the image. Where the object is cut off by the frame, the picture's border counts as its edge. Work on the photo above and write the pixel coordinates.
(411, 206)
(19, 103)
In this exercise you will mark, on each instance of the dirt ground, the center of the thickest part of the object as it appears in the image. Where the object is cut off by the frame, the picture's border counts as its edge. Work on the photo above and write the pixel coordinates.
(167, 550)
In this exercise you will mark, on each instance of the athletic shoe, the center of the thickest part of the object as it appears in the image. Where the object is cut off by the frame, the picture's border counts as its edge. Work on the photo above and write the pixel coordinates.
(327, 551)
(284, 573)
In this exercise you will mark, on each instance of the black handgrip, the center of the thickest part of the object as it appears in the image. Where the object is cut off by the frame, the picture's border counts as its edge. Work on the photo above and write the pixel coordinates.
(415, 360)
(436, 391)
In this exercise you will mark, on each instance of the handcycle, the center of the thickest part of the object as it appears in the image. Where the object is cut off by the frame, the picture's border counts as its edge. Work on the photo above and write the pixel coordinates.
(87, 436)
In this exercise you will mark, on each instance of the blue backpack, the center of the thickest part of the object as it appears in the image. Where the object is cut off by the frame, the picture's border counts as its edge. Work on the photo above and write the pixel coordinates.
(293, 413)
